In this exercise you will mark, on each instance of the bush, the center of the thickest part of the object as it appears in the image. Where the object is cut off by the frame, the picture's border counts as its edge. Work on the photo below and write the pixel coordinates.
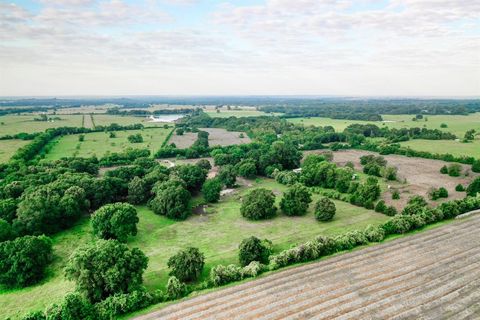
(325, 209)
(254, 249)
(459, 188)
(227, 175)
(295, 200)
(73, 307)
(395, 195)
(474, 187)
(135, 138)
(286, 177)
(204, 164)
(444, 170)
(23, 260)
(119, 304)
(390, 173)
(175, 288)
(374, 233)
(251, 270)
(258, 204)
(211, 190)
(106, 268)
(220, 275)
(454, 170)
(476, 166)
(390, 211)
(380, 206)
(187, 265)
(397, 225)
(180, 132)
(115, 221)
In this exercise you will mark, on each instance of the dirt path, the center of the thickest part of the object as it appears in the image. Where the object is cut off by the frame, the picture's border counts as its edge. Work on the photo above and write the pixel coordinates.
(433, 275)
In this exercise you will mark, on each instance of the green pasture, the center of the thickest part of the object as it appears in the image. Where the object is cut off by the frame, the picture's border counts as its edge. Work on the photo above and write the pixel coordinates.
(455, 123)
(99, 143)
(456, 148)
(217, 234)
(8, 148)
(12, 124)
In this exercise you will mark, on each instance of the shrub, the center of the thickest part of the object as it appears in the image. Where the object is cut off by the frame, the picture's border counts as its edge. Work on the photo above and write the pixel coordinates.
(74, 306)
(474, 187)
(106, 268)
(251, 270)
(444, 169)
(227, 175)
(220, 275)
(390, 173)
(187, 265)
(443, 125)
(258, 204)
(414, 205)
(286, 177)
(459, 188)
(115, 221)
(374, 233)
(454, 170)
(180, 132)
(175, 288)
(123, 303)
(395, 195)
(390, 211)
(204, 164)
(295, 200)
(211, 190)
(135, 138)
(325, 209)
(476, 165)
(442, 192)
(23, 260)
(397, 225)
(380, 206)
(254, 249)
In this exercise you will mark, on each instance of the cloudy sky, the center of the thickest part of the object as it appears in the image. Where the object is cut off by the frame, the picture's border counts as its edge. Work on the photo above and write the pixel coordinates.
(243, 47)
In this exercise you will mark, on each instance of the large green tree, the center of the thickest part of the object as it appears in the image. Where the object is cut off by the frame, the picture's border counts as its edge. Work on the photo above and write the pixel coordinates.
(254, 249)
(137, 191)
(106, 268)
(194, 176)
(227, 175)
(295, 200)
(211, 190)
(171, 200)
(23, 260)
(258, 204)
(187, 265)
(115, 221)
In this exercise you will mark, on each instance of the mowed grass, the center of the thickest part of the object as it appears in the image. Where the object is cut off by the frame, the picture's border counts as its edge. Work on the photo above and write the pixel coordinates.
(99, 143)
(8, 148)
(217, 234)
(456, 148)
(455, 123)
(12, 124)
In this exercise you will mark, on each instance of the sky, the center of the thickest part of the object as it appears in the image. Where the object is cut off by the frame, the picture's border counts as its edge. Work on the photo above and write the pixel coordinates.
(248, 47)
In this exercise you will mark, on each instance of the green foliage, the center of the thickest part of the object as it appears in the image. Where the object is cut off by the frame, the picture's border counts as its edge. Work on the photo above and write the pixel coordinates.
(366, 193)
(254, 249)
(73, 307)
(443, 125)
(187, 265)
(325, 209)
(105, 268)
(123, 303)
(115, 221)
(37, 315)
(227, 175)
(444, 169)
(380, 206)
(171, 200)
(474, 187)
(476, 165)
(81, 137)
(247, 169)
(180, 131)
(459, 188)
(175, 288)
(295, 200)
(135, 138)
(211, 190)
(454, 170)
(49, 209)
(6, 232)
(390, 211)
(23, 260)
(389, 173)
(204, 164)
(343, 179)
(137, 191)
(435, 194)
(374, 233)
(395, 195)
(286, 177)
(414, 205)
(258, 204)
(220, 275)
(194, 176)
(469, 135)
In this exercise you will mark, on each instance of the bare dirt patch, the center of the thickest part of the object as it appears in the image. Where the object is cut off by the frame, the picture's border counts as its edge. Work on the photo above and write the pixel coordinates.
(420, 175)
(184, 141)
(222, 137)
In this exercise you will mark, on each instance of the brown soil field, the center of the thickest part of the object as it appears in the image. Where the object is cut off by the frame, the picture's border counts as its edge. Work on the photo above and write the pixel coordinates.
(184, 141)
(434, 274)
(222, 137)
(420, 174)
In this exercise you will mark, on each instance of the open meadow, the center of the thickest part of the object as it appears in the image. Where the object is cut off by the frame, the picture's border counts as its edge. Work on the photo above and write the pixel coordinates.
(100, 143)
(217, 233)
(8, 148)
(12, 124)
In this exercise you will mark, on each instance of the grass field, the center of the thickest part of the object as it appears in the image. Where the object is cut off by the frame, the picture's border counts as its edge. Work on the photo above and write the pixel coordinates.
(217, 234)
(224, 113)
(99, 143)
(11, 124)
(8, 148)
(455, 148)
(455, 124)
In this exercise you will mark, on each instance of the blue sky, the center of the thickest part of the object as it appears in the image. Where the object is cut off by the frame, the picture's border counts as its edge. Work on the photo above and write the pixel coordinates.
(192, 47)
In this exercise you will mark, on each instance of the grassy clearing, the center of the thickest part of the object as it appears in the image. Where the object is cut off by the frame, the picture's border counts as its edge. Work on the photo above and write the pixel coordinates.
(99, 143)
(106, 119)
(455, 124)
(12, 124)
(8, 148)
(455, 148)
(217, 234)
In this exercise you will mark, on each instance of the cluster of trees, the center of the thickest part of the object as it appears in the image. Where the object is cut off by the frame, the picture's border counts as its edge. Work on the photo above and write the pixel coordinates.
(453, 170)
(436, 194)
(397, 135)
(135, 138)
(377, 166)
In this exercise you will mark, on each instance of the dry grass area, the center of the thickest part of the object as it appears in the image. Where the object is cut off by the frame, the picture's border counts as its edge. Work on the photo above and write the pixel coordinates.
(420, 175)
(431, 275)
(184, 141)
